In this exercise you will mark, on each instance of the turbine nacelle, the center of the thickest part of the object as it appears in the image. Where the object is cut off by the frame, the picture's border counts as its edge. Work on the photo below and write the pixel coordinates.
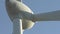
(16, 9)
(23, 18)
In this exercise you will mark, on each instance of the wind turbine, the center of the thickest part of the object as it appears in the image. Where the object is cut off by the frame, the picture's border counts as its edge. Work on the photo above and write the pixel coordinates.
(23, 18)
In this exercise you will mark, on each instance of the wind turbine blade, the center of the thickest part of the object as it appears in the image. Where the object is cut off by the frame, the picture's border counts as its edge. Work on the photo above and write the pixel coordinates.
(49, 16)
(21, 29)
(17, 26)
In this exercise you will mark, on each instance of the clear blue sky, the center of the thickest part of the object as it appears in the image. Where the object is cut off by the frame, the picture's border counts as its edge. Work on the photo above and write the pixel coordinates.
(38, 6)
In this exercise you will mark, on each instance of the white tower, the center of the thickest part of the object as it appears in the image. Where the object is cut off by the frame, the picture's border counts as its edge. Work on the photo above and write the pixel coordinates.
(23, 18)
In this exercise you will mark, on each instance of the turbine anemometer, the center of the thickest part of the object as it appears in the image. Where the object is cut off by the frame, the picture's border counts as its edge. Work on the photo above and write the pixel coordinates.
(23, 18)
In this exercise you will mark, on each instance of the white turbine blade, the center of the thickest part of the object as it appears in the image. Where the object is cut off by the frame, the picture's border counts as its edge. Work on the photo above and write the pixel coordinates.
(21, 29)
(50, 16)
(17, 26)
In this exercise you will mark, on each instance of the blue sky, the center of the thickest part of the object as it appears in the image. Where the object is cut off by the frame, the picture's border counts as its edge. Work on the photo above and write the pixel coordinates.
(37, 6)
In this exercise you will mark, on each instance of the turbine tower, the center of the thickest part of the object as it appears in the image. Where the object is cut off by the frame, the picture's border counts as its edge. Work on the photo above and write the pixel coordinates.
(23, 18)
